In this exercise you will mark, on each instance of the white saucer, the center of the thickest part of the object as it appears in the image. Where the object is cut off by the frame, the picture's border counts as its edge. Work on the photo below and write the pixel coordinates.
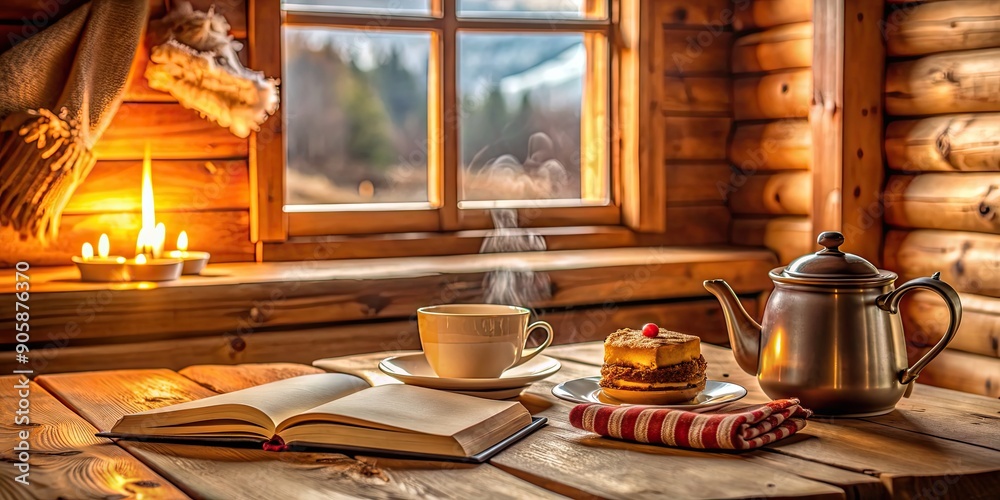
(587, 390)
(413, 369)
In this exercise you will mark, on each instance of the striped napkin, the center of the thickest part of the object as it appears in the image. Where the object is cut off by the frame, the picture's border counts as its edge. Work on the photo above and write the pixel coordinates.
(744, 429)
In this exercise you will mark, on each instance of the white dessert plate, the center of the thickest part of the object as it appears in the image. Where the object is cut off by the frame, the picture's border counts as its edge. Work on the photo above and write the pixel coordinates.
(413, 369)
(588, 390)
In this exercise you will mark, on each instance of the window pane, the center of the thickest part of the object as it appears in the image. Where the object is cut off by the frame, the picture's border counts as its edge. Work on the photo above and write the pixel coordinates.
(355, 108)
(520, 121)
(534, 9)
(401, 7)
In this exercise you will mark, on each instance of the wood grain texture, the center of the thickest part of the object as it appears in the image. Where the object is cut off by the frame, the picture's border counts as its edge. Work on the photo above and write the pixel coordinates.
(846, 117)
(771, 146)
(783, 47)
(699, 224)
(944, 143)
(691, 52)
(697, 183)
(229, 378)
(908, 450)
(694, 138)
(962, 371)
(783, 193)
(970, 262)
(925, 319)
(217, 472)
(951, 82)
(784, 94)
(769, 13)
(942, 26)
(235, 304)
(224, 234)
(695, 95)
(115, 186)
(697, 13)
(788, 237)
(958, 201)
(66, 459)
(267, 147)
(173, 133)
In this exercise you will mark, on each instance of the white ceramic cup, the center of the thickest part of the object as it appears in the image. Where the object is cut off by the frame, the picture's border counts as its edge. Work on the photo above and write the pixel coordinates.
(477, 340)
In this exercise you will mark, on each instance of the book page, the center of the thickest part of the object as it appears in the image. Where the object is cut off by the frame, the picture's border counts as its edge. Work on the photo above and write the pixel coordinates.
(278, 400)
(409, 409)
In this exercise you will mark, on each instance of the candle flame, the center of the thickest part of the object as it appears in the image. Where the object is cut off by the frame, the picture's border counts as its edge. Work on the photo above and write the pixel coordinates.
(148, 206)
(159, 237)
(104, 246)
(140, 259)
(87, 252)
(182, 241)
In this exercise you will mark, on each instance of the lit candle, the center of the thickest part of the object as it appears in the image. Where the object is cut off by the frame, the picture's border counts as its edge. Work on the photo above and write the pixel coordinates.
(87, 252)
(101, 268)
(140, 259)
(159, 237)
(194, 262)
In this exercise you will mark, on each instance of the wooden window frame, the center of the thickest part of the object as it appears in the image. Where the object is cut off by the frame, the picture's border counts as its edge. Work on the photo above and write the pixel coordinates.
(629, 208)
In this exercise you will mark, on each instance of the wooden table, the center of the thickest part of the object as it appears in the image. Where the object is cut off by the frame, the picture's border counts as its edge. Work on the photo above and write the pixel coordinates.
(939, 443)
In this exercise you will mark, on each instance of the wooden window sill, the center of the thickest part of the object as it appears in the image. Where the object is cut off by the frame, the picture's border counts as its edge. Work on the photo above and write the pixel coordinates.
(213, 318)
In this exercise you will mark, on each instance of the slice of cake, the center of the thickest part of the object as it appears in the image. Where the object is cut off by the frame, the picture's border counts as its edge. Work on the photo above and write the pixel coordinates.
(665, 368)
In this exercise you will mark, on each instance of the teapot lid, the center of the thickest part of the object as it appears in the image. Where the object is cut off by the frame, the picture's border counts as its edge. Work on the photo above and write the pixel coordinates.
(830, 262)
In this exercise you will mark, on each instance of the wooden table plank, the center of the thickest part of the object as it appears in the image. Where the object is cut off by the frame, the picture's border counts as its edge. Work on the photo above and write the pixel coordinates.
(66, 459)
(218, 472)
(907, 459)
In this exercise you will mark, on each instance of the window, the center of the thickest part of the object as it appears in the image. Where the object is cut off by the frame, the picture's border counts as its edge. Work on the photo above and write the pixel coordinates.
(422, 115)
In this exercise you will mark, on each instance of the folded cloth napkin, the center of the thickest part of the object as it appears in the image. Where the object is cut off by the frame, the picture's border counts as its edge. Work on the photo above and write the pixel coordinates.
(744, 429)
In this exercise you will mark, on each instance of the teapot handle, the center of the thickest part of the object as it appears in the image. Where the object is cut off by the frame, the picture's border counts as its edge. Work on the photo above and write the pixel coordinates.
(890, 302)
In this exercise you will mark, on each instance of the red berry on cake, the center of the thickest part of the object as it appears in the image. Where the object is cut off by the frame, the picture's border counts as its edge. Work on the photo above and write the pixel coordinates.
(650, 330)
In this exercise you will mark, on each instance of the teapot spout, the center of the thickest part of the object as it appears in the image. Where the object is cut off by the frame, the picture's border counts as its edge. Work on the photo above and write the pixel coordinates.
(744, 332)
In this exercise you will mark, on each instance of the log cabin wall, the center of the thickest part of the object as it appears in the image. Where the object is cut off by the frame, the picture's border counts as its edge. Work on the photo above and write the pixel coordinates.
(942, 197)
(770, 193)
(200, 170)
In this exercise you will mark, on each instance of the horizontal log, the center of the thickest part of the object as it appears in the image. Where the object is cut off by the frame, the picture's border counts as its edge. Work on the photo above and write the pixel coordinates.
(684, 95)
(698, 225)
(783, 47)
(579, 324)
(925, 319)
(970, 262)
(788, 237)
(249, 298)
(691, 52)
(942, 26)
(694, 138)
(115, 186)
(785, 193)
(964, 372)
(172, 132)
(952, 82)
(965, 143)
(958, 201)
(776, 95)
(757, 14)
(777, 145)
(697, 183)
(225, 234)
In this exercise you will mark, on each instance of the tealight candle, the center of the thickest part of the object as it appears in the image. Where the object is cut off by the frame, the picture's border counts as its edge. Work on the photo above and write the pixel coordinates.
(143, 269)
(103, 267)
(194, 262)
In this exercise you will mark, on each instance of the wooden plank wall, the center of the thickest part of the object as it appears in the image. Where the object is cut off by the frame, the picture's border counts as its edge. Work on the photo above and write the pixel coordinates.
(691, 113)
(770, 192)
(200, 171)
(942, 197)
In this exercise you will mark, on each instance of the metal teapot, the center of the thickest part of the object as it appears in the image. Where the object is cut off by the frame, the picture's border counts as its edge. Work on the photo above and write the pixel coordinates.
(831, 335)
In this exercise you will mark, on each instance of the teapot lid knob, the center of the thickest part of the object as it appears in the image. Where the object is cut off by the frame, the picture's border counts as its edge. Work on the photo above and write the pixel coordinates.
(831, 240)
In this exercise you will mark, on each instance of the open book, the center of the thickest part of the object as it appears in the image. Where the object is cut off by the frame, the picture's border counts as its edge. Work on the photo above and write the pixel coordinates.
(341, 411)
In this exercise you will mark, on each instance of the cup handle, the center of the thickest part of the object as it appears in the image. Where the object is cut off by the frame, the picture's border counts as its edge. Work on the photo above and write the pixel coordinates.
(527, 354)
(890, 302)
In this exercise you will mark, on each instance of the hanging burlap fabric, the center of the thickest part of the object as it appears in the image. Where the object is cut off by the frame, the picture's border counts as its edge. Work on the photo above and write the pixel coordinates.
(58, 91)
